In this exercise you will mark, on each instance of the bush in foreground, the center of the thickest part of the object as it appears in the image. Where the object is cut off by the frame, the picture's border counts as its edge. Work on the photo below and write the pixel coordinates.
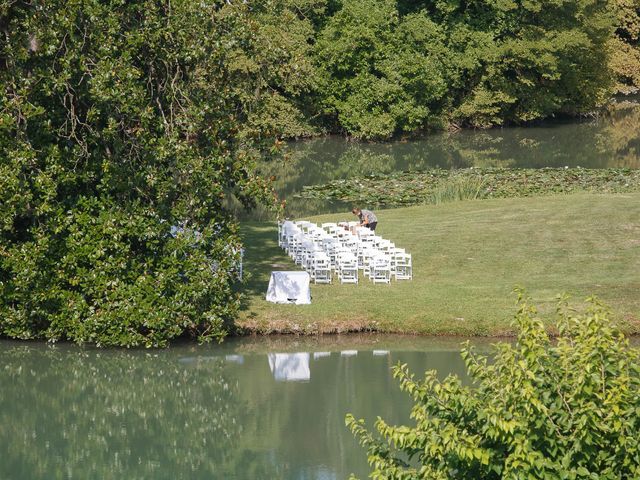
(539, 409)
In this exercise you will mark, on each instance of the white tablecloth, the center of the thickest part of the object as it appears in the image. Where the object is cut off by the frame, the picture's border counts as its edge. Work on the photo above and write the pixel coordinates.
(289, 287)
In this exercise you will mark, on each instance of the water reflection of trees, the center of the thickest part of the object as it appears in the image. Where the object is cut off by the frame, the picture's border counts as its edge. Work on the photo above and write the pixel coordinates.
(116, 415)
(620, 138)
(193, 412)
(609, 140)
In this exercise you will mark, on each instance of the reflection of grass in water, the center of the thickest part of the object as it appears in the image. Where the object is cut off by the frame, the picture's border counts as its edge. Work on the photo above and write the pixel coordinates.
(457, 188)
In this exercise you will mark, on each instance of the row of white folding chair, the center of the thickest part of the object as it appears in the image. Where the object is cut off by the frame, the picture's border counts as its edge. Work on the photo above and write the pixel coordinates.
(308, 229)
(400, 263)
(359, 249)
(314, 260)
(319, 265)
(309, 250)
(378, 267)
(291, 235)
(287, 230)
(293, 244)
(290, 241)
(364, 251)
(356, 245)
(336, 229)
(366, 261)
(300, 248)
(334, 248)
(381, 266)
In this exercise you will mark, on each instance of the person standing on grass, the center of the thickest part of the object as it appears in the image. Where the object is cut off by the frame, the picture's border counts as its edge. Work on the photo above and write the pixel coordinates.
(367, 218)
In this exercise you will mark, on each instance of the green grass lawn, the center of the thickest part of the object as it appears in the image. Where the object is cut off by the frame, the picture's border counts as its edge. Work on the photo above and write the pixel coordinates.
(467, 257)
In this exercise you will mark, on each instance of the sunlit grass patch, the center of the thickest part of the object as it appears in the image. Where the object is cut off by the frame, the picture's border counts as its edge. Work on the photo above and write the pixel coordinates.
(468, 256)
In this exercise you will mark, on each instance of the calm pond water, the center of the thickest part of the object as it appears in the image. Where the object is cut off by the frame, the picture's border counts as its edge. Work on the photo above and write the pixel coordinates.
(267, 408)
(610, 140)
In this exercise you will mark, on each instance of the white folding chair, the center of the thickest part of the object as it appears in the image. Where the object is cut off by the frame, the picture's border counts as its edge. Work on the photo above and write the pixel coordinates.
(331, 247)
(316, 233)
(364, 232)
(295, 246)
(365, 260)
(403, 266)
(385, 245)
(367, 242)
(311, 247)
(350, 242)
(347, 267)
(310, 254)
(380, 270)
(391, 255)
(321, 268)
(304, 224)
(287, 232)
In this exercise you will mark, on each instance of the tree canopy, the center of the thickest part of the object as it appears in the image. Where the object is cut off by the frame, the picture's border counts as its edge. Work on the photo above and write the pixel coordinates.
(397, 67)
(124, 129)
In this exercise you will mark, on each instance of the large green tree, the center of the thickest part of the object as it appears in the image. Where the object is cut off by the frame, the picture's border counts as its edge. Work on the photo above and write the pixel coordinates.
(381, 73)
(118, 121)
(625, 46)
(398, 67)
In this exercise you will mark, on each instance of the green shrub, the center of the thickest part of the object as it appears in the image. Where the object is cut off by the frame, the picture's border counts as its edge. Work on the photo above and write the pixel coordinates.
(539, 409)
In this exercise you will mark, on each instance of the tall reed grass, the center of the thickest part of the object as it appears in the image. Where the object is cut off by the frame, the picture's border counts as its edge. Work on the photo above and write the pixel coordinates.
(457, 188)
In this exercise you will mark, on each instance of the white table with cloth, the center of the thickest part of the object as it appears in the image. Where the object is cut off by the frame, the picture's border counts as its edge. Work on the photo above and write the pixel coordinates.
(289, 287)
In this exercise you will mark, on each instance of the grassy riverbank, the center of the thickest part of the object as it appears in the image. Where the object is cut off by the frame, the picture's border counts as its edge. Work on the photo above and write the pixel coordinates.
(467, 258)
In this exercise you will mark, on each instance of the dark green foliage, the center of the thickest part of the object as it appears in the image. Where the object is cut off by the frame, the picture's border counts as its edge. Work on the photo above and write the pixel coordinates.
(383, 74)
(440, 185)
(625, 46)
(390, 69)
(119, 120)
(541, 409)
